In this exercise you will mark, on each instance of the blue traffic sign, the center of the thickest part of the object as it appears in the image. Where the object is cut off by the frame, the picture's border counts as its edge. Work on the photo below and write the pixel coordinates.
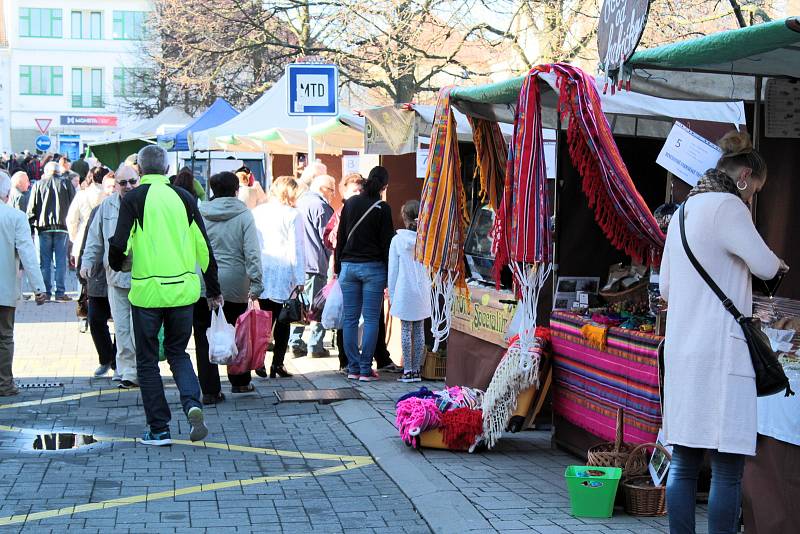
(43, 143)
(313, 89)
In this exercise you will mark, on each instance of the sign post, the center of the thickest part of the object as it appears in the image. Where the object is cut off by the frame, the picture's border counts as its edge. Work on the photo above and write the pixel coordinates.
(313, 90)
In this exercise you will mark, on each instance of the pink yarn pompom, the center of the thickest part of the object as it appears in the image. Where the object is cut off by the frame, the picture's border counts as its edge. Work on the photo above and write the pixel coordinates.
(415, 415)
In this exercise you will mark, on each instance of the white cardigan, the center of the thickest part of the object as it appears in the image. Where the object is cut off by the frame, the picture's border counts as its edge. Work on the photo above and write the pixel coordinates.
(709, 385)
(409, 283)
(280, 235)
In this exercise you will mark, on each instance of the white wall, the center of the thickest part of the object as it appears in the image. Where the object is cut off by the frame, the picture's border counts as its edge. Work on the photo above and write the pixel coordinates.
(66, 52)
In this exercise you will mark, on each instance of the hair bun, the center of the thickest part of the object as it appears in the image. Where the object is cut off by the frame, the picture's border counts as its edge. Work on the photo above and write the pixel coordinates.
(735, 143)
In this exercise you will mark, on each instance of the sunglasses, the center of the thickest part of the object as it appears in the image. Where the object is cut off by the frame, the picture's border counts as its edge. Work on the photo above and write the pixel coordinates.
(124, 183)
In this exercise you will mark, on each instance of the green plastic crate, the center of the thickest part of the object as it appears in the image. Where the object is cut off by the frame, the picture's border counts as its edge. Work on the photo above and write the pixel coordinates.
(592, 495)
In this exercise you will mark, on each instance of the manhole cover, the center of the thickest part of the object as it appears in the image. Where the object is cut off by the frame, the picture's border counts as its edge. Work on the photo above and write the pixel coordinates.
(39, 385)
(57, 442)
(324, 396)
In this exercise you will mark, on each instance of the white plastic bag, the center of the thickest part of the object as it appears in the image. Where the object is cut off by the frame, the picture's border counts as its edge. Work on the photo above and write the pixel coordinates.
(333, 311)
(221, 340)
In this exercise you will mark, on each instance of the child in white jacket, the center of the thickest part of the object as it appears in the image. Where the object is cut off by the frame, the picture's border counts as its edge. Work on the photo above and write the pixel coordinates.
(409, 293)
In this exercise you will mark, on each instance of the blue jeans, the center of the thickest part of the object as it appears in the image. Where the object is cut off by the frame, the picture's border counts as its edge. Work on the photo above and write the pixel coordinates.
(725, 497)
(177, 330)
(314, 284)
(53, 244)
(362, 288)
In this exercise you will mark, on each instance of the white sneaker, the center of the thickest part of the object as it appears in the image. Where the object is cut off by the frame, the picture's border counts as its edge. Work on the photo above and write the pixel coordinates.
(117, 377)
(102, 371)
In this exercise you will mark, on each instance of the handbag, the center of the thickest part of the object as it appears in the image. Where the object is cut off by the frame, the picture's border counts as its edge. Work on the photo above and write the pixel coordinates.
(770, 378)
(82, 306)
(295, 309)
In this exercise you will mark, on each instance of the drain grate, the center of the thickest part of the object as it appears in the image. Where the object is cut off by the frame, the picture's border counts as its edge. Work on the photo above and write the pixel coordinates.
(325, 396)
(39, 385)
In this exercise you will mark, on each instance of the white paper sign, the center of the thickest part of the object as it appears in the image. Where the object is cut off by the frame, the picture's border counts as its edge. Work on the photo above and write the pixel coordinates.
(350, 164)
(423, 151)
(688, 155)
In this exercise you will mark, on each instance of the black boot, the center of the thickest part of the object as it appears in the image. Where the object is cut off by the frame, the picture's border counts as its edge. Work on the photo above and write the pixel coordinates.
(280, 371)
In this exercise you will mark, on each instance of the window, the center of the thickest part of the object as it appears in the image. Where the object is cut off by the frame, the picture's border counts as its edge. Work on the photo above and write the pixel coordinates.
(45, 81)
(87, 25)
(39, 22)
(129, 25)
(130, 82)
(87, 88)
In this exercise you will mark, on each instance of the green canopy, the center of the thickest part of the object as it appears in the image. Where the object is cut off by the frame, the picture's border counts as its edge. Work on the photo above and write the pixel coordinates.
(114, 153)
(771, 49)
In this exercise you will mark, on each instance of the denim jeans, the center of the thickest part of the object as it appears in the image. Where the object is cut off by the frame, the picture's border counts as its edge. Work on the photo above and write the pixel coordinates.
(177, 330)
(314, 284)
(725, 497)
(53, 244)
(362, 288)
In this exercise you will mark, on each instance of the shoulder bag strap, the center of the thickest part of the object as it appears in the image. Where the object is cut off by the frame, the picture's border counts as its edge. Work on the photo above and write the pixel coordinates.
(352, 230)
(728, 303)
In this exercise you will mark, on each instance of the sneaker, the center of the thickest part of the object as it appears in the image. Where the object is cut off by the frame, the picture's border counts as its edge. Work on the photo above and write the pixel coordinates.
(102, 371)
(415, 377)
(63, 298)
(353, 376)
(406, 378)
(324, 353)
(199, 428)
(159, 439)
(372, 377)
(127, 384)
(117, 377)
(390, 368)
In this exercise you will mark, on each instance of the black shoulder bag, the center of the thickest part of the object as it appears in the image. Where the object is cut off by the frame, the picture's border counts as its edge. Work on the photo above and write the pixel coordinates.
(770, 378)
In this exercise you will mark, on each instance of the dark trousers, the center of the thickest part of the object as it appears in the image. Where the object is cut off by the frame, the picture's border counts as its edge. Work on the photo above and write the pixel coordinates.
(7, 348)
(280, 331)
(207, 372)
(177, 324)
(99, 314)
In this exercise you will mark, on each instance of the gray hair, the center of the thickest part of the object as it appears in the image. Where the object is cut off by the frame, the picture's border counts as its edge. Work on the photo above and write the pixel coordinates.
(321, 181)
(152, 159)
(5, 185)
(314, 169)
(51, 169)
(126, 172)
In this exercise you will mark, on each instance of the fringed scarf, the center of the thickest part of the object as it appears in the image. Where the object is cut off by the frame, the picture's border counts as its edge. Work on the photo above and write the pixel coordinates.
(618, 207)
(715, 181)
(443, 219)
(491, 154)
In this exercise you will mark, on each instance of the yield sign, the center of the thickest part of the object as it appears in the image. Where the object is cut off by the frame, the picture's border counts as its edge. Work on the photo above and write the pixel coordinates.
(43, 124)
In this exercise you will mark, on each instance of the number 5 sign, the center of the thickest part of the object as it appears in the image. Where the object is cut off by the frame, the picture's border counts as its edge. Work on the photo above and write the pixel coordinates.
(313, 89)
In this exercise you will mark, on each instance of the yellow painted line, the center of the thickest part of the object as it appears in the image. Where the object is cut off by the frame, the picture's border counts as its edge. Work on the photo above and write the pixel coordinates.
(169, 494)
(67, 398)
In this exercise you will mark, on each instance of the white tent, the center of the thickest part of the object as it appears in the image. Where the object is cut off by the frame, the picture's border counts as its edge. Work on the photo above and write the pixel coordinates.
(265, 126)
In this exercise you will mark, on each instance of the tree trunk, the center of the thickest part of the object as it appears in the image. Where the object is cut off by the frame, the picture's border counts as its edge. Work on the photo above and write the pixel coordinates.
(405, 88)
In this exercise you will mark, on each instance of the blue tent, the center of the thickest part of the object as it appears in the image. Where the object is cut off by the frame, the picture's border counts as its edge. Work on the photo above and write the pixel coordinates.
(218, 113)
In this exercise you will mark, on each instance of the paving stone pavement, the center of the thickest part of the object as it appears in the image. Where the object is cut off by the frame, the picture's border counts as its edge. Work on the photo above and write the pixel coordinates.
(518, 486)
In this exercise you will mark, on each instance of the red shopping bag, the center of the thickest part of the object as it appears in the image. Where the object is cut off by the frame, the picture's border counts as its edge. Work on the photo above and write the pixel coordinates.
(253, 334)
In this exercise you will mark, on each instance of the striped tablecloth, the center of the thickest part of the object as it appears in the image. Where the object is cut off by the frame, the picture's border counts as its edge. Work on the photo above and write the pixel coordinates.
(590, 384)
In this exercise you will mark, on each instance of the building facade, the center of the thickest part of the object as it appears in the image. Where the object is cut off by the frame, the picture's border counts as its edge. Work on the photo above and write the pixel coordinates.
(68, 66)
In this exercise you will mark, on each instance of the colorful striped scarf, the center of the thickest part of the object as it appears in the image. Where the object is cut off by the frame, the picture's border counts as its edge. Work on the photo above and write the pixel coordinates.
(491, 153)
(443, 219)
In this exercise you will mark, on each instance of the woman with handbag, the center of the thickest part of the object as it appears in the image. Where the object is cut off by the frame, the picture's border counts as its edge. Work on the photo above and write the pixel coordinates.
(280, 234)
(710, 384)
(232, 233)
(361, 263)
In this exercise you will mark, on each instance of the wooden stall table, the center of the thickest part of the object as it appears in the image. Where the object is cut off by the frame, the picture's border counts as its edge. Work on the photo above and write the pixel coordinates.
(591, 383)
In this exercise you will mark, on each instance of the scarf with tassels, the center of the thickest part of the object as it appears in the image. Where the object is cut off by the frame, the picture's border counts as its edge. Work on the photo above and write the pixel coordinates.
(491, 153)
(715, 181)
(443, 219)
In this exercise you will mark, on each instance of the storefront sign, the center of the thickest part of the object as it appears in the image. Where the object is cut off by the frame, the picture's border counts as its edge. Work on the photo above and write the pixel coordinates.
(688, 155)
(620, 29)
(487, 318)
(88, 120)
(390, 131)
(312, 89)
(350, 164)
(782, 108)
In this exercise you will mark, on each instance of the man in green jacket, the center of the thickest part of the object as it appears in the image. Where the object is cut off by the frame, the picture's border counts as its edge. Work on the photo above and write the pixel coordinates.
(161, 233)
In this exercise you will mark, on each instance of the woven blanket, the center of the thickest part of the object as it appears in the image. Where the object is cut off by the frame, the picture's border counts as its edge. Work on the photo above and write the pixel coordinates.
(491, 154)
(590, 384)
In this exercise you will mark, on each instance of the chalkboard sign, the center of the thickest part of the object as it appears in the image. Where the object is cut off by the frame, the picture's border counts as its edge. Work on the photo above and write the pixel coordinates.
(620, 29)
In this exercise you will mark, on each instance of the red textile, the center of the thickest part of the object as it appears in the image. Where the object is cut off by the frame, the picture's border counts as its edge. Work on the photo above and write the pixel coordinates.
(461, 426)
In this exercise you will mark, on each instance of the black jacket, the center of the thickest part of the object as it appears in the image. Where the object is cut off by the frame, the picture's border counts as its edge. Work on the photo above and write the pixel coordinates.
(49, 203)
(371, 239)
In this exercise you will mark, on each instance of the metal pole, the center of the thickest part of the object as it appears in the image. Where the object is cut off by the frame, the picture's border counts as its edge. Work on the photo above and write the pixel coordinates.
(311, 155)
(557, 206)
(757, 117)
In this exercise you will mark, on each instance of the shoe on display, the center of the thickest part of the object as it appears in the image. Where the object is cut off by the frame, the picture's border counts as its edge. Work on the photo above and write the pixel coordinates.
(102, 371)
(159, 439)
(127, 384)
(369, 378)
(199, 428)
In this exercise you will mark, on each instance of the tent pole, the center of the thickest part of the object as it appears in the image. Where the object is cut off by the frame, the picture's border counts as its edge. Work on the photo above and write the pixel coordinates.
(557, 206)
(757, 117)
(311, 155)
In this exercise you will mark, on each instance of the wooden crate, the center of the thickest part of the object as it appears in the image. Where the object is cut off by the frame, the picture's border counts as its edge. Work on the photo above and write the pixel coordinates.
(435, 366)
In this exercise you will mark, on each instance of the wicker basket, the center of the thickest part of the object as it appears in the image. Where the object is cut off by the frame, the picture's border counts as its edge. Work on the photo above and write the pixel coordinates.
(618, 453)
(435, 366)
(642, 498)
